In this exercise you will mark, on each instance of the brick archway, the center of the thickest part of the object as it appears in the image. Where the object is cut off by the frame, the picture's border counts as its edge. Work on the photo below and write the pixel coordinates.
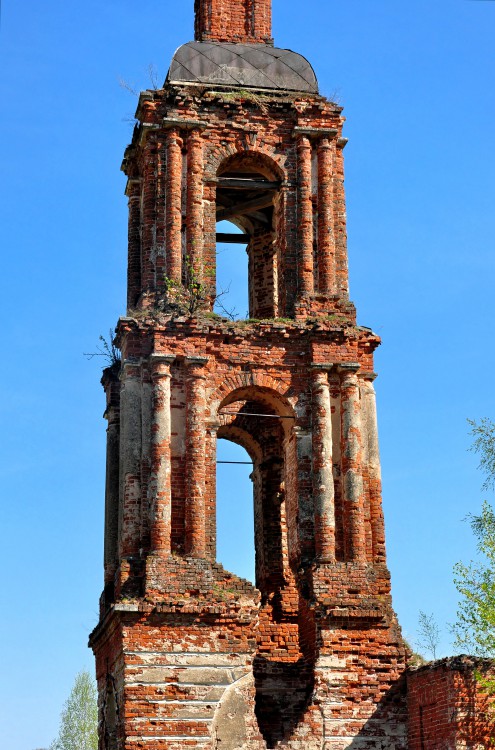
(218, 157)
(271, 389)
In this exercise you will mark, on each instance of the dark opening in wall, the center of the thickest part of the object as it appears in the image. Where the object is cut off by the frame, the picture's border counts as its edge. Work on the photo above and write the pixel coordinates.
(248, 196)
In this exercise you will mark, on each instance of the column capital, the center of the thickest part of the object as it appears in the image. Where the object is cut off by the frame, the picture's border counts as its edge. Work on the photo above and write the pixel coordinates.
(156, 358)
(348, 368)
(131, 368)
(175, 124)
(328, 133)
(325, 143)
(173, 132)
(195, 362)
(194, 135)
(322, 366)
(368, 376)
(319, 377)
(160, 365)
(303, 142)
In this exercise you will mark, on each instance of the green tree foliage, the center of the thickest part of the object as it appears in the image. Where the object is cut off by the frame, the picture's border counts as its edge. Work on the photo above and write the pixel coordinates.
(475, 627)
(79, 718)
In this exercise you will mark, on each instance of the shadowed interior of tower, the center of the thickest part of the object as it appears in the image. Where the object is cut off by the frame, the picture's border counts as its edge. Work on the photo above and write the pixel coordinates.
(247, 194)
(244, 423)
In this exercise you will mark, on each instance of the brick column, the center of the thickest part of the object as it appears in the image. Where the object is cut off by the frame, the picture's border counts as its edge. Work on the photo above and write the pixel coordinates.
(173, 219)
(195, 458)
(160, 238)
(352, 449)
(305, 217)
(148, 218)
(134, 252)
(305, 507)
(326, 236)
(339, 222)
(195, 203)
(160, 488)
(146, 424)
(130, 460)
(111, 550)
(323, 484)
(374, 469)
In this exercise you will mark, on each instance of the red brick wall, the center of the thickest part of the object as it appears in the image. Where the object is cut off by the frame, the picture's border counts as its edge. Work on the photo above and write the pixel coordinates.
(234, 21)
(448, 707)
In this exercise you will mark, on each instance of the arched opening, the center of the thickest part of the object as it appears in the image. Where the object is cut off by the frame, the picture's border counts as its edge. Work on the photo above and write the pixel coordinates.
(235, 511)
(248, 196)
(251, 419)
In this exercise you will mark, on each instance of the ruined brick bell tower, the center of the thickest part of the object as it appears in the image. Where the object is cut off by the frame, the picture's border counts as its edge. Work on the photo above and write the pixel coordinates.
(189, 655)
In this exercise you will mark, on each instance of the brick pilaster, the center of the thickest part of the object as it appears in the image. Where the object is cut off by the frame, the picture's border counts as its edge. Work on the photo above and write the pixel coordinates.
(374, 470)
(130, 460)
(340, 222)
(174, 205)
(194, 226)
(326, 235)
(159, 492)
(305, 216)
(112, 414)
(195, 452)
(134, 254)
(323, 484)
(352, 449)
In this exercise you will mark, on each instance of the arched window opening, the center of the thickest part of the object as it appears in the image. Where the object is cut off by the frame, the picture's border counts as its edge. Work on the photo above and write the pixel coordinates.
(252, 421)
(235, 511)
(232, 299)
(247, 195)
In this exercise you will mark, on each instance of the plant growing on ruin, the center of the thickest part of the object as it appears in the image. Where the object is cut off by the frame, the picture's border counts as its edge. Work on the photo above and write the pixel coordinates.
(189, 297)
(108, 350)
(429, 634)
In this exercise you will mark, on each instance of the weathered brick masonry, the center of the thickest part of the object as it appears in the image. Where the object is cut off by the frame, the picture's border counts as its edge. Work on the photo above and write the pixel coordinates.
(189, 655)
(448, 706)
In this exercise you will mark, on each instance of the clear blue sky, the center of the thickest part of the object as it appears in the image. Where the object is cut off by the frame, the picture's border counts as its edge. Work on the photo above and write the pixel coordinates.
(416, 79)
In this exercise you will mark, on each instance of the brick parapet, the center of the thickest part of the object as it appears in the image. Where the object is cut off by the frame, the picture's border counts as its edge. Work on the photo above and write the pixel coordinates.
(448, 705)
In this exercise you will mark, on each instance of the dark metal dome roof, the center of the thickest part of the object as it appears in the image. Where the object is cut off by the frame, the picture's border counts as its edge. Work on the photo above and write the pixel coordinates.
(252, 65)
